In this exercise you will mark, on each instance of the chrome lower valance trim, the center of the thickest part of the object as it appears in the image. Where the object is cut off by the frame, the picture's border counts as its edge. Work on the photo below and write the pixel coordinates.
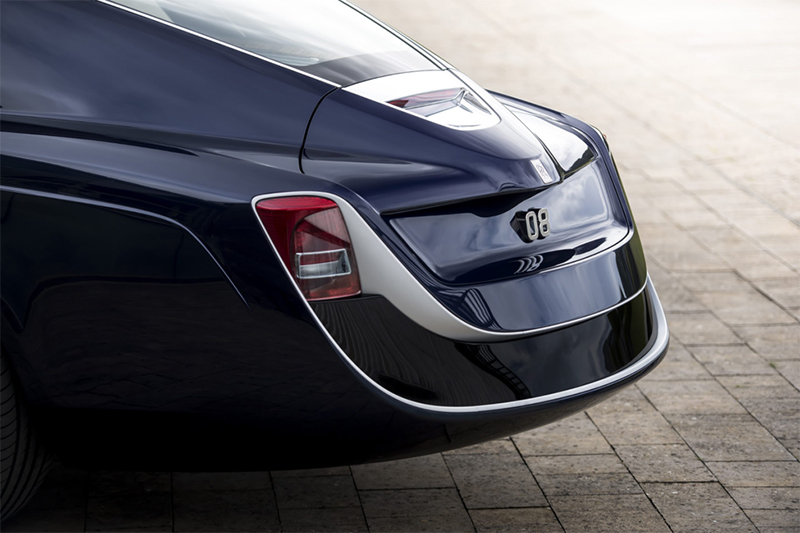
(656, 350)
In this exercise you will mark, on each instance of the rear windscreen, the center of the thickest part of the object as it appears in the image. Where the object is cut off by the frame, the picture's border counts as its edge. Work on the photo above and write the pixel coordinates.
(327, 38)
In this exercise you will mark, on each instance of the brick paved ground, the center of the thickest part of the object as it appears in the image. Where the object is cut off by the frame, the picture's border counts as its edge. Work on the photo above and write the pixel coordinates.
(701, 103)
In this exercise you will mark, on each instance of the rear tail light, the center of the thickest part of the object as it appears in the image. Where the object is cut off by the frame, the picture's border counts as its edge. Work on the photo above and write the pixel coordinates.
(312, 240)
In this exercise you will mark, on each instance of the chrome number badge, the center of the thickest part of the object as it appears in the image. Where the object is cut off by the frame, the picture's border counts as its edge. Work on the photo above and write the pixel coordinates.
(532, 225)
(539, 167)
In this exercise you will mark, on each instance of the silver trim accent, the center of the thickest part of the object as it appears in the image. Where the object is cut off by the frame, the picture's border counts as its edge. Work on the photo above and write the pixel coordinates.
(299, 266)
(395, 86)
(382, 273)
(656, 351)
(213, 40)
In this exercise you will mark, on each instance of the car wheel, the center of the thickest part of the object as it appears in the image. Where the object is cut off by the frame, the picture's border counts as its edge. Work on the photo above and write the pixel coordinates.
(24, 460)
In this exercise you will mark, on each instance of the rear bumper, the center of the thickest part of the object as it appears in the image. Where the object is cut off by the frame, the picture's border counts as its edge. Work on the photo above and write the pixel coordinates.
(423, 373)
(420, 428)
(332, 418)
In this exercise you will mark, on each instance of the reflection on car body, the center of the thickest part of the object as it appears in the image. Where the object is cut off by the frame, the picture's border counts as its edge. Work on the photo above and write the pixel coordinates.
(230, 230)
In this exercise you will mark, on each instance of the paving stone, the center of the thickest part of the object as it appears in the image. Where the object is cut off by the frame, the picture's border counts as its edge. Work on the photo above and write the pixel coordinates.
(493, 446)
(150, 529)
(676, 250)
(696, 216)
(344, 519)
(643, 427)
(728, 437)
(417, 473)
(738, 308)
(422, 524)
(570, 475)
(757, 265)
(757, 473)
(663, 463)
(766, 497)
(678, 365)
(588, 484)
(52, 519)
(129, 510)
(575, 464)
(675, 296)
(731, 360)
(781, 417)
(724, 239)
(251, 510)
(756, 387)
(645, 213)
(225, 481)
(678, 503)
(574, 435)
(415, 510)
(774, 343)
(701, 397)
(714, 282)
(608, 513)
(62, 488)
(495, 481)
(679, 299)
(768, 225)
(106, 483)
(785, 291)
(313, 472)
(775, 520)
(534, 520)
(790, 370)
(315, 492)
(628, 400)
(700, 328)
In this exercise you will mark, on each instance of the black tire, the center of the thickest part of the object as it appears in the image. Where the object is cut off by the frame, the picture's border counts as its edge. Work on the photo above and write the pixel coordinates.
(24, 461)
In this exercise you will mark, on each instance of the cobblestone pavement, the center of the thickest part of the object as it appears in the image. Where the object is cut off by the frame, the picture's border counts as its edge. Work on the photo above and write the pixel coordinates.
(701, 104)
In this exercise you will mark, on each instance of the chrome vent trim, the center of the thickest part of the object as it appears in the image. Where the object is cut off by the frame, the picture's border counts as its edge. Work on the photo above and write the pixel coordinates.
(470, 107)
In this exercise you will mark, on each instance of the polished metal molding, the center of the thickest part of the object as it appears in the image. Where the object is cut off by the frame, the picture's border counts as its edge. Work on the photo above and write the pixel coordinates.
(656, 351)
(396, 86)
(383, 274)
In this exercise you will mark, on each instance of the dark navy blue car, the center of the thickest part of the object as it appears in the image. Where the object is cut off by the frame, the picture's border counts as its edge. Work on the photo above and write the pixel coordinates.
(258, 235)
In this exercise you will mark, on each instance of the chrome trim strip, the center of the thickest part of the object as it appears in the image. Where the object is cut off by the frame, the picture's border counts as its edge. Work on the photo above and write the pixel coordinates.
(382, 273)
(213, 40)
(656, 351)
(393, 86)
(127, 209)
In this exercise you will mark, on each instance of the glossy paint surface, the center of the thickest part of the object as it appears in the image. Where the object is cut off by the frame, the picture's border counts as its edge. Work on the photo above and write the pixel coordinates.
(563, 142)
(408, 360)
(478, 242)
(100, 68)
(357, 143)
(441, 190)
(143, 308)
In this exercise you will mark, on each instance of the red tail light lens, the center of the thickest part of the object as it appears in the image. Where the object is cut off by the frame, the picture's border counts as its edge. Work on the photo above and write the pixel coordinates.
(312, 240)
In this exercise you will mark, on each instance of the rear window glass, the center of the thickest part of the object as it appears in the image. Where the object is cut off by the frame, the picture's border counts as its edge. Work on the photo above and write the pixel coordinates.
(327, 38)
